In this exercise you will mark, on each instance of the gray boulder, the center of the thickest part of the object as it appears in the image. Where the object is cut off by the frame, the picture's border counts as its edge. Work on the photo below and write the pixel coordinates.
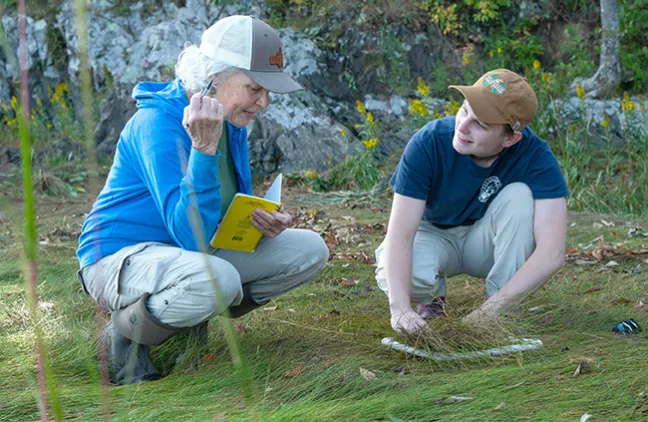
(622, 126)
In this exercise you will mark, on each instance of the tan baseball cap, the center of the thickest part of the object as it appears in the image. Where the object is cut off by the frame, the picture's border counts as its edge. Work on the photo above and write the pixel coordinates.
(251, 45)
(501, 97)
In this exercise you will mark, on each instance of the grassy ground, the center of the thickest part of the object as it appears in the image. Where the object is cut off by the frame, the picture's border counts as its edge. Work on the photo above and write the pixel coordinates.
(305, 357)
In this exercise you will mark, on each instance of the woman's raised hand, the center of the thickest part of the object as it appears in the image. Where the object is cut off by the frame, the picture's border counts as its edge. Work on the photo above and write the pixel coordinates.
(203, 120)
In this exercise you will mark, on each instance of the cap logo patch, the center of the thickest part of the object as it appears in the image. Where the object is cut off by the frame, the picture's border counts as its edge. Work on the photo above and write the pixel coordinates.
(497, 84)
(277, 59)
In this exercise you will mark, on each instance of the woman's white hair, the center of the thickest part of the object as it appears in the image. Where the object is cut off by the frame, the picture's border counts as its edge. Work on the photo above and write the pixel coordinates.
(194, 69)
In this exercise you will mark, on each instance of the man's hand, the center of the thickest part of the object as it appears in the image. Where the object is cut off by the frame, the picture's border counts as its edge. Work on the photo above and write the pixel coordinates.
(482, 318)
(407, 322)
(203, 120)
(271, 225)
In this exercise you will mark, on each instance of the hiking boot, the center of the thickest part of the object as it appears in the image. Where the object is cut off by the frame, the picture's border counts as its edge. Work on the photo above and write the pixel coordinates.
(128, 335)
(128, 362)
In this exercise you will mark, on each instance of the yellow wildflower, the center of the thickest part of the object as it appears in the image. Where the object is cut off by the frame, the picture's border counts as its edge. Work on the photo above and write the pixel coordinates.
(370, 118)
(627, 104)
(49, 125)
(451, 108)
(357, 126)
(33, 117)
(606, 120)
(14, 102)
(361, 108)
(310, 174)
(343, 132)
(422, 87)
(38, 101)
(4, 107)
(61, 88)
(370, 143)
(580, 92)
(418, 109)
(536, 64)
(499, 50)
(491, 53)
(466, 59)
(546, 77)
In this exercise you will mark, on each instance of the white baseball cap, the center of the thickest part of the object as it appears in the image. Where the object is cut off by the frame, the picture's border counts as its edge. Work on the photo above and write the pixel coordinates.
(251, 45)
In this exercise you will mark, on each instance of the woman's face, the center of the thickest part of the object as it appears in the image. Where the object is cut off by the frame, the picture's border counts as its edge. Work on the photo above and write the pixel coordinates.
(241, 98)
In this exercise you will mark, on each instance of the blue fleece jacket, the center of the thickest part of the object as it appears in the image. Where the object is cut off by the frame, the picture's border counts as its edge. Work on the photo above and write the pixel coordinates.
(157, 180)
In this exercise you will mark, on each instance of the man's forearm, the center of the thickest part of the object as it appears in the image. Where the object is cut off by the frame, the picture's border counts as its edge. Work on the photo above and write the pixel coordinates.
(531, 276)
(398, 270)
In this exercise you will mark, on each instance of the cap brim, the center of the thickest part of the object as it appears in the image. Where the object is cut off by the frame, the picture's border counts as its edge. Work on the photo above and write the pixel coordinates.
(278, 82)
(482, 108)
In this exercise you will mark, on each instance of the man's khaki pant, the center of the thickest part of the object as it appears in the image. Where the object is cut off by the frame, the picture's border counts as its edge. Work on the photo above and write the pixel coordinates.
(495, 247)
(183, 293)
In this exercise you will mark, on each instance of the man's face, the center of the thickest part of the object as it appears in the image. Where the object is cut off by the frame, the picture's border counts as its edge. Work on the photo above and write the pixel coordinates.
(476, 138)
(241, 98)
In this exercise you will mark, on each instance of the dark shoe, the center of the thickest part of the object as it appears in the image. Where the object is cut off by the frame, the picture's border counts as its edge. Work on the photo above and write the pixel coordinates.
(128, 335)
(128, 362)
(248, 304)
(433, 310)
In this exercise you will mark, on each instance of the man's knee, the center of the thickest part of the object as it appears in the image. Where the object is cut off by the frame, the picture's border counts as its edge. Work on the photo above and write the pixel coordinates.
(516, 202)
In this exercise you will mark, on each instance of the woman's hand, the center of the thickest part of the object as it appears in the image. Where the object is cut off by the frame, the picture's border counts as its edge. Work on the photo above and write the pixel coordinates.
(203, 120)
(271, 225)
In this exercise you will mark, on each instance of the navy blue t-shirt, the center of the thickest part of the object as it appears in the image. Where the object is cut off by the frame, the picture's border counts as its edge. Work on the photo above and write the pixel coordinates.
(457, 191)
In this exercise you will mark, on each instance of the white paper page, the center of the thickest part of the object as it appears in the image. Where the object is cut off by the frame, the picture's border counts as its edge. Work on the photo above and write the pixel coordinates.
(274, 193)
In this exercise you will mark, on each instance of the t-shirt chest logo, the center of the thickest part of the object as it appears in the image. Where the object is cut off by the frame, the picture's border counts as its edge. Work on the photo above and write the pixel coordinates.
(490, 187)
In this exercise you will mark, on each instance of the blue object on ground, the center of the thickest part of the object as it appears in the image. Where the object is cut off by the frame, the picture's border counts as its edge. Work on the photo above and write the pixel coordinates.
(629, 326)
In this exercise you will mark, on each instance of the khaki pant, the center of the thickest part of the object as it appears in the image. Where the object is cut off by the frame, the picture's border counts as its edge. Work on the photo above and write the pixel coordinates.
(495, 247)
(182, 291)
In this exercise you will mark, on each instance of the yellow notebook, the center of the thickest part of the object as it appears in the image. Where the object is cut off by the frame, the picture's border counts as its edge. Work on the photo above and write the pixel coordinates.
(236, 231)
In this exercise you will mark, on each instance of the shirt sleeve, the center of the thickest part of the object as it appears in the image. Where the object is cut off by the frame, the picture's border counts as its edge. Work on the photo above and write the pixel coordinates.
(544, 177)
(182, 181)
(413, 175)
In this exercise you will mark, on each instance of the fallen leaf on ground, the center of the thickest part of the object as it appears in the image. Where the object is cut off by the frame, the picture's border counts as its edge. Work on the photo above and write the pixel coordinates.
(585, 417)
(620, 301)
(271, 308)
(570, 251)
(209, 357)
(536, 309)
(348, 282)
(452, 400)
(638, 305)
(612, 264)
(607, 223)
(367, 375)
(580, 368)
(294, 372)
(499, 407)
(588, 291)
(219, 417)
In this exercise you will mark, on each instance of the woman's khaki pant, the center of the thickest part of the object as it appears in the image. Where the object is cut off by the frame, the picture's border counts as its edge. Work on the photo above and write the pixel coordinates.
(182, 291)
(495, 247)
